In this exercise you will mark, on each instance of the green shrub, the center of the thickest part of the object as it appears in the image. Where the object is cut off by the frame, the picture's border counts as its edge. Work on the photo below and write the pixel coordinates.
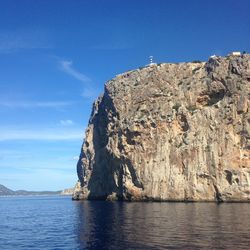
(176, 106)
(191, 108)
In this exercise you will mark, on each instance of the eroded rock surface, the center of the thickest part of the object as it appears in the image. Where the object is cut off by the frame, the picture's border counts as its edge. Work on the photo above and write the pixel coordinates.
(171, 132)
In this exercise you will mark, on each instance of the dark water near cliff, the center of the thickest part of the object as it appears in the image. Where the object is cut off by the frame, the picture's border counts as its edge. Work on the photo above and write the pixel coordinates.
(59, 223)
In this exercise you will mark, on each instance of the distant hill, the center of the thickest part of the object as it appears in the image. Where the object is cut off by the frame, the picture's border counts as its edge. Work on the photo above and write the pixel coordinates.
(4, 191)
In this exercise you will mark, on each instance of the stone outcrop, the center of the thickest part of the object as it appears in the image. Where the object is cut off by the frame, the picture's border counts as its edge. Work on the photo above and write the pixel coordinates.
(170, 132)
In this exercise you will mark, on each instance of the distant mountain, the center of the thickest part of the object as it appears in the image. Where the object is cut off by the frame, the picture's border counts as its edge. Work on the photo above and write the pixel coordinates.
(4, 191)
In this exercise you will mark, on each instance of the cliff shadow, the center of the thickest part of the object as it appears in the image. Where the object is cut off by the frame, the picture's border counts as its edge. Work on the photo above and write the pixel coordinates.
(105, 165)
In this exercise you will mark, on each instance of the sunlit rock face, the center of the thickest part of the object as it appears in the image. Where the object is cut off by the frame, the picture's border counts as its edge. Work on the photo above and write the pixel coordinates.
(171, 132)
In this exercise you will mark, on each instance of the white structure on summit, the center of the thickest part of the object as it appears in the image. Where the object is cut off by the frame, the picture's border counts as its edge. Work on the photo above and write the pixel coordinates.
(151, 60)
(235, 53)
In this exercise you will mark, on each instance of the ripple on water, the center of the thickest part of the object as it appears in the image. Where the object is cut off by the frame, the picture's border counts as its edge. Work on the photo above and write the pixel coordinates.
(58, 223)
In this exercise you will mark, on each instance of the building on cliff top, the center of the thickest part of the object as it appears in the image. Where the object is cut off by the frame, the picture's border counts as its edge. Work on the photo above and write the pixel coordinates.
(235, 53)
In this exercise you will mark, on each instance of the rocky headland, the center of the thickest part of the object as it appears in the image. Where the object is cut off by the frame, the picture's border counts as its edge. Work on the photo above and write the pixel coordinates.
(170, 132)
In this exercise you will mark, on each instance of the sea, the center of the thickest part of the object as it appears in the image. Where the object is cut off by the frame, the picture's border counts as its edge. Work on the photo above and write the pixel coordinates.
(57, 222)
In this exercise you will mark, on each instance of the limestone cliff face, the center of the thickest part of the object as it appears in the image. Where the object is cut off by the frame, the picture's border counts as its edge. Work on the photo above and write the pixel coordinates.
(171, 132)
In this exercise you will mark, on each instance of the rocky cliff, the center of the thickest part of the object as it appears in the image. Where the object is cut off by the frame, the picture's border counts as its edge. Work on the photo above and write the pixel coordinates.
(171, 132)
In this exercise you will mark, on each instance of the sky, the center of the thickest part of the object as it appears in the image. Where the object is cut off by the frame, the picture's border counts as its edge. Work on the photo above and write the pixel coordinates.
(55, 57)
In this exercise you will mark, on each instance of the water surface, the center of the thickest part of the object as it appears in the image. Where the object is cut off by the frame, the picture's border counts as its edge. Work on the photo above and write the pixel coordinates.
(54, 222)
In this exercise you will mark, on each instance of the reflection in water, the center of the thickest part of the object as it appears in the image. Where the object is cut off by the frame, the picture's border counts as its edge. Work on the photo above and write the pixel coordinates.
(124, 225)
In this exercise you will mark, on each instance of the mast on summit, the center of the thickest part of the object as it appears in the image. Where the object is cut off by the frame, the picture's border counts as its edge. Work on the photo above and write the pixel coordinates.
(150, 60)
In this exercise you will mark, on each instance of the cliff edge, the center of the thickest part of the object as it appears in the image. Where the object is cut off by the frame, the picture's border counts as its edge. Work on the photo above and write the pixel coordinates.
(171, 132)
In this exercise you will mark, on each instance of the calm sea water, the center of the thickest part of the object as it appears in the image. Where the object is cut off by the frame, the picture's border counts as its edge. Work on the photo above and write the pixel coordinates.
(58, 223)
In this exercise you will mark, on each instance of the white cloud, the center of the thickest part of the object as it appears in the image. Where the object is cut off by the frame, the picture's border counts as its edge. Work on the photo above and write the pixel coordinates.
(76, 158)
(66, 66)
(66, 122)
(90, 93)
(29, 104)
(39, 180)
(43, 134)
(90, 89)
(13, 41)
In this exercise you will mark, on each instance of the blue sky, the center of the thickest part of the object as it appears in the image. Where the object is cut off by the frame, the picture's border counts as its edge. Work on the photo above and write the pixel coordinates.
(55, 57)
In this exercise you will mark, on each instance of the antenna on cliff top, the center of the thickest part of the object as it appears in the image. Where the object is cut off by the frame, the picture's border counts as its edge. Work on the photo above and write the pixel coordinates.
(151, 60)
